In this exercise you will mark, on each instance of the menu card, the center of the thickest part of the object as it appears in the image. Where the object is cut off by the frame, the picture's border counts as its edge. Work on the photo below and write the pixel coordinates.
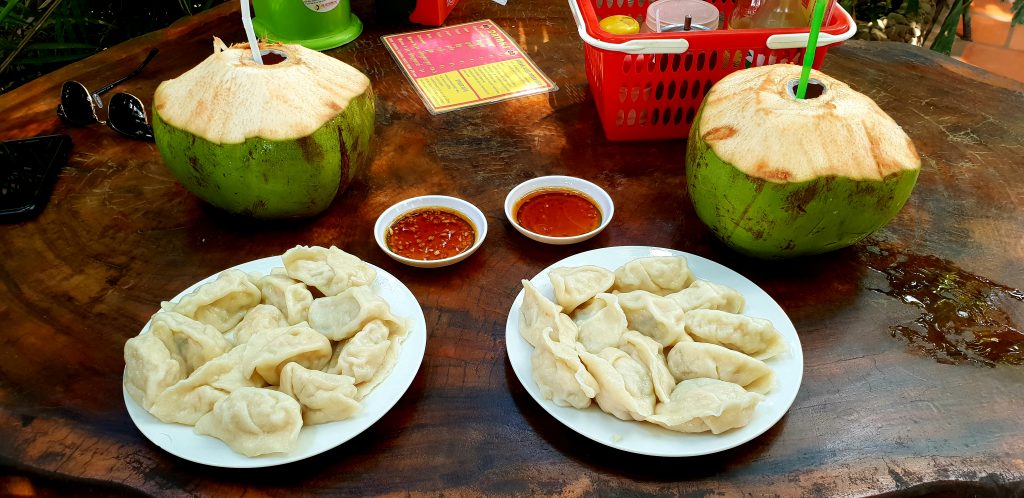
(470, 64)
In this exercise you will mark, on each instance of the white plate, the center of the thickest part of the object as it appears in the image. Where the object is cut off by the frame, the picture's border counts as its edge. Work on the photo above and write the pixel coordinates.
(645, 438)
(180, 440)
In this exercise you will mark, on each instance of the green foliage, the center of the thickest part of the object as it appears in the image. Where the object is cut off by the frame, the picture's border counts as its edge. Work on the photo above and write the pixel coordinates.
(38, 36)
(1018, 13)
(944, 40)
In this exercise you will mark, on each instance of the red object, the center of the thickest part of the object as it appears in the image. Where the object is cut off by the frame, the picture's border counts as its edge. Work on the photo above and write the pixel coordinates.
(432, 12)
(656, 96)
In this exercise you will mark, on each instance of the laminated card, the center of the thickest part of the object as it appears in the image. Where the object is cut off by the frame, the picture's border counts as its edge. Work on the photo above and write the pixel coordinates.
(470, 64)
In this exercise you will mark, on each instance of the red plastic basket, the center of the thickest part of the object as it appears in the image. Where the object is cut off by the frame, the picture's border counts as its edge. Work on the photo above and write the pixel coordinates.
(649, 86)
(432, 12)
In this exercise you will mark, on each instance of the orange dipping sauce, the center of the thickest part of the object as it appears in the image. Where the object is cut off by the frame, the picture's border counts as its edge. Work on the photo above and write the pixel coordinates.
(557, 212)
(430, 233)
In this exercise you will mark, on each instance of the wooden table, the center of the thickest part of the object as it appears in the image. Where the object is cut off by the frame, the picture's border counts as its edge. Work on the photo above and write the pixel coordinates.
(877, 412)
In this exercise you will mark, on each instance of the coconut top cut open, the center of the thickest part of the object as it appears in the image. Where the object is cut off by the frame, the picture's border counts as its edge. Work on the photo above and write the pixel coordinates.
(751, 120)
(229, 97)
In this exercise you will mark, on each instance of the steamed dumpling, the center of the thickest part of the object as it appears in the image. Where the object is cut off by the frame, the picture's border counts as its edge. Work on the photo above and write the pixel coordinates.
(558, 372)
(190, 342)
(269, 351)
(601, 323)
(576, 285)
(656, 317)
(221, 303)
(659, 275)
(193, 397)
(536, 314)
(700, 405)
(254, 421)
(286, 294)
(625, 389)
(647, 352)
(149, 369)
(707, 295)
(332, 270)
(756, 337)
(691, 360)
(324, 397)
(361, 356)
(368, 356)
(339, 317)
(262, 317)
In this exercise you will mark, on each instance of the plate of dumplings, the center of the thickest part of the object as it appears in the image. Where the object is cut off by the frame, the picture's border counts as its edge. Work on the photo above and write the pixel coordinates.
(274, 360)
(654, 351)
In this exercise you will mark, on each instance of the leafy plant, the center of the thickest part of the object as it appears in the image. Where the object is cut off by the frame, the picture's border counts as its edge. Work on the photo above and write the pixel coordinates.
(943, 41)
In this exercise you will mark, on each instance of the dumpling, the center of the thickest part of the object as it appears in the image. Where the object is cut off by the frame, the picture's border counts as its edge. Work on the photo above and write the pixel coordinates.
(659, 275)
(361, 356)
(254, 421)
(536, 314)
(566, 330)
(625, 389)
(559, 374)
(268, 352)
(707, 295)
(602, 323)
(149, 369)
(756, 337)
(647, 352)
(691, 360)
(576, 285)
(654, 316)
(329, 270)
(700, 405)
(368, 356)
(288, 295)
(190, 342)
(262, 317)
(324, 397)
(221, 303)
(339, 317)
(193, 397)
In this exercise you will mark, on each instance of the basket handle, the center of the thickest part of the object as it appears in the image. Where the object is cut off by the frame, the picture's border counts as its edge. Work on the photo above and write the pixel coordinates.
(799, 40)
(662, 46)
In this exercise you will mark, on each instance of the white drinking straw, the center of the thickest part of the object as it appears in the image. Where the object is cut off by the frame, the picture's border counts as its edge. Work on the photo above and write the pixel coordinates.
(254, 45)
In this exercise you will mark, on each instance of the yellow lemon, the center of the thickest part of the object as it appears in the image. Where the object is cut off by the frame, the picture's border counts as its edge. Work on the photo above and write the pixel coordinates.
(620, 25)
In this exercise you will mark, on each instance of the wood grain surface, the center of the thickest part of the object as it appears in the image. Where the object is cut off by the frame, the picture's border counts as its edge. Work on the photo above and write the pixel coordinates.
(880, 409)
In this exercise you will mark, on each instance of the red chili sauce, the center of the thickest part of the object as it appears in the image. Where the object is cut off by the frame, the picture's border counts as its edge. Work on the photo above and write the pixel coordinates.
(430, 233)
(557, 212)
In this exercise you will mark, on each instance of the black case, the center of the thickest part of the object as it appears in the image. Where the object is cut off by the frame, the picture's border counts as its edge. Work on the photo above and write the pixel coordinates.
(28, 171)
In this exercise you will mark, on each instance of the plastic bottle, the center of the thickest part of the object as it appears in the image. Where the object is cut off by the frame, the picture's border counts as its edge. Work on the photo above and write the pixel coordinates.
(742, 13)
(765, 14)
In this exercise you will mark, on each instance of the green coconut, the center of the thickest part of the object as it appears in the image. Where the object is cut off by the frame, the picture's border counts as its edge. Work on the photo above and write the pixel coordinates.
(775, 177)
(267, 141)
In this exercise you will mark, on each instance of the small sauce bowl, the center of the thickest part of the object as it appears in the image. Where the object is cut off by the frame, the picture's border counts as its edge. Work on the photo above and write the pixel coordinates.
(601, 199)
(466, 210)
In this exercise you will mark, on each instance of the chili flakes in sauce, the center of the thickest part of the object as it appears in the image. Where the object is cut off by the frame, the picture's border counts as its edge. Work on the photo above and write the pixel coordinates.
(429, 234)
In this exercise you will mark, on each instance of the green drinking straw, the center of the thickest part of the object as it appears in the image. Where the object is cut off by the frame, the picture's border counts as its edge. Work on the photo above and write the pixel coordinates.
(812, 45)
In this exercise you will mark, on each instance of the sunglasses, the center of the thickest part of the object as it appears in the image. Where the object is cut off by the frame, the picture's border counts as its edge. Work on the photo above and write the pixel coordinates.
(125, 112)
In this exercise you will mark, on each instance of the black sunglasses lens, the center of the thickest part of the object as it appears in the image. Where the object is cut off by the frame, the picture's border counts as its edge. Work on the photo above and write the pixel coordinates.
(127, 116)
(76, 104)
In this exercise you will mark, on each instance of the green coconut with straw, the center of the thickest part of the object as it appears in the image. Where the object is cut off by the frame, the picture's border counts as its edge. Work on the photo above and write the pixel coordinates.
(274, 132)
(775, 175)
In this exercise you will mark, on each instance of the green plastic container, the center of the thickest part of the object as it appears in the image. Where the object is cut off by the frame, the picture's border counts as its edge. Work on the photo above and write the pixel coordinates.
(315, 24)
